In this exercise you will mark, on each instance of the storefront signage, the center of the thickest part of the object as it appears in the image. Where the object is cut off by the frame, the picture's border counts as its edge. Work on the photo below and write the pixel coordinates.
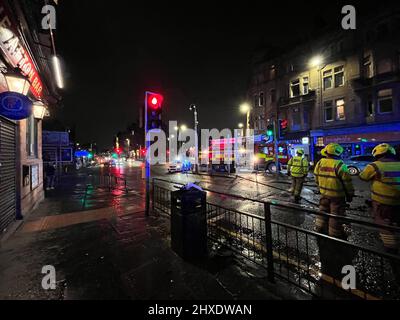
(15, 106)
(15, 52)
(364, 137)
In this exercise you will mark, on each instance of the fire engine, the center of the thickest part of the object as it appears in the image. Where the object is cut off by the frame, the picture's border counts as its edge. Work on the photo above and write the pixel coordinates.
(262, 156)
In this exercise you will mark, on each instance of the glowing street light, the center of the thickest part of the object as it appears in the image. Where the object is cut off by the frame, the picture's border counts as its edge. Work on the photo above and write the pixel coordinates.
(245, 109)
(316, 62)
(17, 82)
(39, 110)
(58, 72)
(183, 127)
(240, 125)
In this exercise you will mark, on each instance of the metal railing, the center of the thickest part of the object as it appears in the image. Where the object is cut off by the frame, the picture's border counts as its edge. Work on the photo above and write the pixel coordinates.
(107, 181)
(310, 260)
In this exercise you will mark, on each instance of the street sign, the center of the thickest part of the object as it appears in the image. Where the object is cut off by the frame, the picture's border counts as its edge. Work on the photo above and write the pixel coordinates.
(15, 106)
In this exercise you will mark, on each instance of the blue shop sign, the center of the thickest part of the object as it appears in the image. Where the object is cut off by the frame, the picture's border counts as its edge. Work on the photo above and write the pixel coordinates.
(15, 106)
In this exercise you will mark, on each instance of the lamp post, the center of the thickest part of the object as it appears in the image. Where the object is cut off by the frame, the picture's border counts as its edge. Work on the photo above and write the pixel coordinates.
(245, 109)
(318, 62)
(196, 142)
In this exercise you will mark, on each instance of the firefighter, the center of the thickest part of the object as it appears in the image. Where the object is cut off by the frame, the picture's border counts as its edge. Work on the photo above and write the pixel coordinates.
(336, 188)
(298, 170)
(385, 192)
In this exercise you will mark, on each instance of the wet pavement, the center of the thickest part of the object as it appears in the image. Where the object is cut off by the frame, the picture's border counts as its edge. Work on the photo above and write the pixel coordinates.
(103, 247)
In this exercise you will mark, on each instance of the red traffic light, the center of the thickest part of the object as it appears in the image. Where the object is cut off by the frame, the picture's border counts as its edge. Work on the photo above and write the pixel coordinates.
(118, 151)
(154, 100)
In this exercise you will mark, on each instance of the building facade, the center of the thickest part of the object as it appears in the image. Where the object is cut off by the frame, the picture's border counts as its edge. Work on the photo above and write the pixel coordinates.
(341, 88)
(24, 47)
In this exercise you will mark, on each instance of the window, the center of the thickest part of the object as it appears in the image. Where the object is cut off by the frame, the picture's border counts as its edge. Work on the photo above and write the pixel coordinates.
(339, 76)
(328, 111)
(273, 95)
(340, 111)
(367, 67)
(261, 100)
(296, 120)
(272, 72)
(385, 101)
(327, 79)
(256, 100)
(32, 137)
(306, 87)
(370, 107)
(384, 66)
(295, 88)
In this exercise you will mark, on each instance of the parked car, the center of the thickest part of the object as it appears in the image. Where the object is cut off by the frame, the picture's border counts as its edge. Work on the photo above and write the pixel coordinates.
(174, 166)
(357, 164)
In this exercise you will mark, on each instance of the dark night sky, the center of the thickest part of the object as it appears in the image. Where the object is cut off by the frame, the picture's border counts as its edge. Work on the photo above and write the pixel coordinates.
(197, 52)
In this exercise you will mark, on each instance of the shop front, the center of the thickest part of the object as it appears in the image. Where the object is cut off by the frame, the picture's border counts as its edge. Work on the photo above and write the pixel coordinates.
(357, 141)
(21, 114)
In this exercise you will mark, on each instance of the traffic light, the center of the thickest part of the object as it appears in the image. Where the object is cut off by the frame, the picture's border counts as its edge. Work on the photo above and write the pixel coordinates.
(118, 151)
(154, 110)
(283, 127)
(270, 130)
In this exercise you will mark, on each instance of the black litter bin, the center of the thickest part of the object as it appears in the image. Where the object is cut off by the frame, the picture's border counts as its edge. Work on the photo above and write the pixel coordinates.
(189, 223)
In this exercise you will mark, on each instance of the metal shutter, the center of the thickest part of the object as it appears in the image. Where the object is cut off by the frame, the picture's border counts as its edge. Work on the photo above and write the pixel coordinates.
(7, 173)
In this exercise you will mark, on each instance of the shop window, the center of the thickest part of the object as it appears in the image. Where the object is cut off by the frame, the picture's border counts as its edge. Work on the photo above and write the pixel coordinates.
(385, 101)
(339, 76)
(328, 78)
(32, 137)
(306, 87)
(295, 88)
(328, 111)
(340, 110)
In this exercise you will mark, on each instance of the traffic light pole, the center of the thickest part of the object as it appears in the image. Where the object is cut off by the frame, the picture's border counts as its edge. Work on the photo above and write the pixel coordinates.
(276, 146)
(147, 156)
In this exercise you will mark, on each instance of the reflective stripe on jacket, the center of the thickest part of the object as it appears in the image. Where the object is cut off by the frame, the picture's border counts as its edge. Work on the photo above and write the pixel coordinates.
(385, 177)
(333, 178)
(298, 167)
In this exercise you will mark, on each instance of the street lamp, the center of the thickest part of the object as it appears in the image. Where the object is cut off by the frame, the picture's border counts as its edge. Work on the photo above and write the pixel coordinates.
(39, 110)
(17, 82)
(240, 125)
(196, 147)
(245, 109)
(316, 61)
(183, 127)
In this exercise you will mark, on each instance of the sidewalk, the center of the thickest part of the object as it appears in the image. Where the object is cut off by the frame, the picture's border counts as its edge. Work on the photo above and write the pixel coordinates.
(103, 247)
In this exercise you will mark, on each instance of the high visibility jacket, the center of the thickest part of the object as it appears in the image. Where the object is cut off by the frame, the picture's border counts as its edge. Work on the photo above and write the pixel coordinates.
(333, 178)
(385, 177)
(298, 167)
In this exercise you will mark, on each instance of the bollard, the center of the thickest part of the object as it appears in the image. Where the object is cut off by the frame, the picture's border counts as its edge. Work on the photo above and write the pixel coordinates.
(268, 241)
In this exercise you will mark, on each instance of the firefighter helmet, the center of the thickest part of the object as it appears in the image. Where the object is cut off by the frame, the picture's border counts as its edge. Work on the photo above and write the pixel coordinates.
(323, 152)
(334, 149)
(383, 149)
(300, 152)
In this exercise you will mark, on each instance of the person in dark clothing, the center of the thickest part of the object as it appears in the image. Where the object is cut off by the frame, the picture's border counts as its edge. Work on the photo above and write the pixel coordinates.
(50, 171)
